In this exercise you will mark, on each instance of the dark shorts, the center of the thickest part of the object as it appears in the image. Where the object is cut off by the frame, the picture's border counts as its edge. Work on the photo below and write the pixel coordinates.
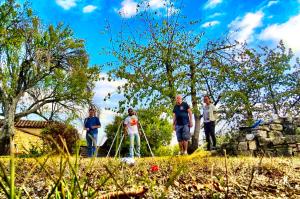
(183, 132)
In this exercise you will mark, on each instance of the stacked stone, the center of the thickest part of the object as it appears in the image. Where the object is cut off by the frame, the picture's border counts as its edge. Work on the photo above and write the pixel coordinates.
(280, 137)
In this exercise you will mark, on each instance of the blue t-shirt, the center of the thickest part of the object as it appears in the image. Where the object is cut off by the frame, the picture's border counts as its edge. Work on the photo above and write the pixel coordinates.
(181, 114)
(92, 121)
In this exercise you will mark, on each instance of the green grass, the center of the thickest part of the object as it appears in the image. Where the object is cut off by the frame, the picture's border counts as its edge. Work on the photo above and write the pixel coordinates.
(195, 176)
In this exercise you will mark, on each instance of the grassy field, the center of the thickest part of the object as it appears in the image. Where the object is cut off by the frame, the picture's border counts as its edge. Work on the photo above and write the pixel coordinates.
(195, 176)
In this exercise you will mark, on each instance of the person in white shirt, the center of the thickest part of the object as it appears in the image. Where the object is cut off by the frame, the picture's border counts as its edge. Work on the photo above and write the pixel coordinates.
(209, 118)
(131, 128)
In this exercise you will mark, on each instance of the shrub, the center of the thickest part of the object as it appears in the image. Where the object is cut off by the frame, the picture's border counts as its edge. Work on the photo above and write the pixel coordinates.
(61, 133)
(167, 150)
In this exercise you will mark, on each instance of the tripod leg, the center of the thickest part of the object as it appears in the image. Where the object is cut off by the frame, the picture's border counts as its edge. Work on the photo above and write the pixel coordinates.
(114, 140)
(119, 145)
(146, 140)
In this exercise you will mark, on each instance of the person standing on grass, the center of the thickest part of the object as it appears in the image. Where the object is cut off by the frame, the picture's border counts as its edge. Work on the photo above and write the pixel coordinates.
(131, 128)
(209, 118)
(182, 122)
(91, 125)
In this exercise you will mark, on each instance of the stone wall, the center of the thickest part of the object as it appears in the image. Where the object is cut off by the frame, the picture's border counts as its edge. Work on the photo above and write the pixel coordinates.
(279, 137)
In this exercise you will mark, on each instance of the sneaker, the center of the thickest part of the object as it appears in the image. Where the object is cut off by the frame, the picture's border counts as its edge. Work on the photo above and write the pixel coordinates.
(213, 148)
(180, 153)
(185, 153)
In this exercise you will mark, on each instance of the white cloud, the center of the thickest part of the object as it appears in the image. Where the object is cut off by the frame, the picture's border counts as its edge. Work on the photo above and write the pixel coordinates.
(288, 32)
(129, 8)
(212, 4)
(210, 24)
(66, 4)
(89, 8)
(156, 4)
(272, 3)
(103, 87)
(243, 29)
(171, 11)
(217, 14)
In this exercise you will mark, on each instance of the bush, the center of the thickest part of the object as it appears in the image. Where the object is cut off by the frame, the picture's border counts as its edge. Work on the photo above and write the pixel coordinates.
(61, 133)
(167, 150)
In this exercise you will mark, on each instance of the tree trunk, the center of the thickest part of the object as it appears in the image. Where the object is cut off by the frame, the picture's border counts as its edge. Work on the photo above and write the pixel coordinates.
(195, 138)
(7, 130)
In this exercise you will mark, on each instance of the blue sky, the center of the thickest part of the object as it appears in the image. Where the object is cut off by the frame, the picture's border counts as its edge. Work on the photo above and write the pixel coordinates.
(257, 22)
(266, 21)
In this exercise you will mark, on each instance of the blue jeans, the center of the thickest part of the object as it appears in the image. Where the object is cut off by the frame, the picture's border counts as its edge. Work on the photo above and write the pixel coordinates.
(135, 137)
(91, 140)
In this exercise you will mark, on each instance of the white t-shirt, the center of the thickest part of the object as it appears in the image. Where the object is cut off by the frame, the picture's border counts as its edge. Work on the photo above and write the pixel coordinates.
(206, 113)
(131, 123)
(209, 113)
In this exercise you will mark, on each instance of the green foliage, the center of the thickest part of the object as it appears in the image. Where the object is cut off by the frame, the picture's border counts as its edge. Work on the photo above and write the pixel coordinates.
(259, 82)
(167, 150)
(34, 151)
(44, 68)
(59, 135)
(158, 132)
(81, 142)
(167, 56)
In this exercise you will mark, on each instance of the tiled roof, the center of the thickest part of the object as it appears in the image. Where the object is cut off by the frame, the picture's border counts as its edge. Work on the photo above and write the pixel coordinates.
(29, 124)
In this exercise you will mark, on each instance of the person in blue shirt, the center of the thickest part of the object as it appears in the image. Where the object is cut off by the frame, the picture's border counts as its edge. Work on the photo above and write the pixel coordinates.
(91, 125)
(182, 122)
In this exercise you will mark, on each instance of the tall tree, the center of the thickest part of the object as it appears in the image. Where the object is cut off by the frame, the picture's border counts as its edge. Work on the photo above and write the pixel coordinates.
(281, 85)
(259, 82)
(45, 65)
(166, 58)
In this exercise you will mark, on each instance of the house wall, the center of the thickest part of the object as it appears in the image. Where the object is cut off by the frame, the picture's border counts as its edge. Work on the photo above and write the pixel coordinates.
(24, 141)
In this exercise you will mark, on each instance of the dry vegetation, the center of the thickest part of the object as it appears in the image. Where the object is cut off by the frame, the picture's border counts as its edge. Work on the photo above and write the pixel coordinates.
(195, 176)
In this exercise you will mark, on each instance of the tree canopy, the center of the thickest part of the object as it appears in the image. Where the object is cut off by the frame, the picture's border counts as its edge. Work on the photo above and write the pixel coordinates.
(40, 66)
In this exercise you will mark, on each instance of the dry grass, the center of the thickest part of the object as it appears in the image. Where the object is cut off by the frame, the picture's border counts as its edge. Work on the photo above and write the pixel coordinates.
(195, 176)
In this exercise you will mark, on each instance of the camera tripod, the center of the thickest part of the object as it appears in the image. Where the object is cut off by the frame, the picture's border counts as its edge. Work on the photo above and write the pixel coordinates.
(119, 133)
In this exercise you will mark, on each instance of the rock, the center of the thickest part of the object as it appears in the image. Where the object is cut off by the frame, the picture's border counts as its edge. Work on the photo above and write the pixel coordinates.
(266, 142)
(296, 121)
(274, 134)
(252, 145)
(250, 136)
(292, 139)
(243, 146)
(263, 128)
(241, 138)
(278, 140)
(261, 133)
(276, 127)
(277, 121)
